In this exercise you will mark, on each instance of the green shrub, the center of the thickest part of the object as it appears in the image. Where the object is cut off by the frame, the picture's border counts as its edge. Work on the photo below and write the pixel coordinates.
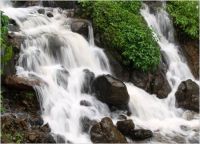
(123, 28)
(185, 15)
(6, 48)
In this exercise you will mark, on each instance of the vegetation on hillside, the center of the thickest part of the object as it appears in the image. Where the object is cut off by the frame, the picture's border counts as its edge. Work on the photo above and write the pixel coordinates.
(6, 48)
(121, 27)
(185, 15)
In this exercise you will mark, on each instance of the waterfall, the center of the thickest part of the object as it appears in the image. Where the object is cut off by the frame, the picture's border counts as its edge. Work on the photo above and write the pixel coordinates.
(56, 56)
(161, 114)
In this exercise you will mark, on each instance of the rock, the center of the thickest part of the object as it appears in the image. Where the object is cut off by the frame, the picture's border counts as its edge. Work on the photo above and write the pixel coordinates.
(111, 91)
(20, 83)
(41, 11)
(153, 82)
(48, 139)
(45, 128)
(12, 26)
(118, 69)
(15, 40)
(11, 123)
(191, 51)
(17, 3)
(141, 134)
(106, 132)
(159, 85)
(85, 103)
(49, 14)
(36, 122)
(126, 127)
(80, 26)
(187, 95)
(88, 79)
(87, 124)
(32, 137)
(60, 4)
(35, 136)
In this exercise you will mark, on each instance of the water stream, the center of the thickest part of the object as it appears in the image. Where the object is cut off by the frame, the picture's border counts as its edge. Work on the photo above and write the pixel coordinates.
(57, 56)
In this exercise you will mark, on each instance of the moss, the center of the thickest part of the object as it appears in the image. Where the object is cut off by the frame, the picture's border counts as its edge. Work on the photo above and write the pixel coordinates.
(122, 28)
(6, 48)
(16, 137)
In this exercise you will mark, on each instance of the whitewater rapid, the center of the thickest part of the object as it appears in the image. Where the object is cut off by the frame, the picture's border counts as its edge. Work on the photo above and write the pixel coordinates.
(54, 54)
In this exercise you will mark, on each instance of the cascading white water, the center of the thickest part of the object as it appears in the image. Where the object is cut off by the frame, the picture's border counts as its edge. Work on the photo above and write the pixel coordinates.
(161, 115)
(57, 56)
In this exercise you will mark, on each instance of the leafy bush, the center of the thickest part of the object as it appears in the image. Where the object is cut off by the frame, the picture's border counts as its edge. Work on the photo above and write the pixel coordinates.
(123, 28)
(6, 48)
(185, 15)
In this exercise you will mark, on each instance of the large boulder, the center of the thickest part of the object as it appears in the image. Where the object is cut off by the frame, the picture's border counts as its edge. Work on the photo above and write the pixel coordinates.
(106, 132)
(126, 127)
(154, 82)
(159, 85)
(111, 91)
(80, 26)
(187, 95)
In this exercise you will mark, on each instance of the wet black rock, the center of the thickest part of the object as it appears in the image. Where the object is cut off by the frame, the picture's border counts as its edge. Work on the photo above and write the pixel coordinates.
(85, 103)
(49, 14)
(106, 132)
(111, 91)
(141, 134)
(41, 11)
(187, 95)
(88, 79)
(126, 127)
(159, 85)
(153, 82)
(13, 26)
(80, 26)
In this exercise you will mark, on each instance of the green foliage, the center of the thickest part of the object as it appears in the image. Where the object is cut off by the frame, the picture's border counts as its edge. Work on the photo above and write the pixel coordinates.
(16, 137)
(6, 48)
(123, 28)
(185, 15)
